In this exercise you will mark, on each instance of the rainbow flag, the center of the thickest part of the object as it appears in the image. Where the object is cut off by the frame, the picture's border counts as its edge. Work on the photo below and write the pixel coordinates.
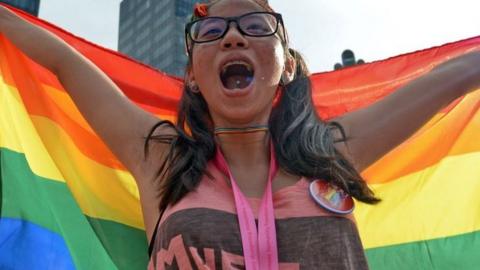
(68, 203)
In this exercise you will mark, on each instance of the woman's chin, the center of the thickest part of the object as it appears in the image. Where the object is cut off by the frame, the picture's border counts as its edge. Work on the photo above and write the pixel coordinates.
(242, 106)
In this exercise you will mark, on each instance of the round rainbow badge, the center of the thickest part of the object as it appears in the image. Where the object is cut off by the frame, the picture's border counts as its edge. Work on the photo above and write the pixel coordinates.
(331, 197)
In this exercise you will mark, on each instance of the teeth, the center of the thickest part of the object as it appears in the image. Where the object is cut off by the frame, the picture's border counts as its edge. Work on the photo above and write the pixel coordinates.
(249, 67)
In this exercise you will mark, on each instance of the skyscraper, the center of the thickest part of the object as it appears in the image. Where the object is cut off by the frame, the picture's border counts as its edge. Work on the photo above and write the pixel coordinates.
(30, 6)
(152, 31)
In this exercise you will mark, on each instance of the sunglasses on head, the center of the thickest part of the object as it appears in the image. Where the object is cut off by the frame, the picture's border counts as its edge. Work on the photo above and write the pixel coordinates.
(253, 24)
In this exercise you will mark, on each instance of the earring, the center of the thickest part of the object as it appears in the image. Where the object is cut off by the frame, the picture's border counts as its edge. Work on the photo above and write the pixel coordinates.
(193, 87)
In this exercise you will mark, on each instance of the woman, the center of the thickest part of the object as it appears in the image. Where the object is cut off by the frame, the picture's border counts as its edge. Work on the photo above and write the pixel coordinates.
(246, 107)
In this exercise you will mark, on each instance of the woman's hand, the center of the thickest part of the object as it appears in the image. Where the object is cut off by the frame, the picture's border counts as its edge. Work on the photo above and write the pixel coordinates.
(40, 45)
(375, 130)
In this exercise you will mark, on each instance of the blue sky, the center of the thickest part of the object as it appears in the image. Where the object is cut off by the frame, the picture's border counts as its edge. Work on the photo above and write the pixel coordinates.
(320, 29)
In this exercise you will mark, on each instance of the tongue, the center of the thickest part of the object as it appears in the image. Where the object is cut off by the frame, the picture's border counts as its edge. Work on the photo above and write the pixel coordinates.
(237, 81)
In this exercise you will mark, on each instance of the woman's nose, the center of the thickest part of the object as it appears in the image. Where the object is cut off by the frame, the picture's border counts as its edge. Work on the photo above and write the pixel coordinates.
(233, 38)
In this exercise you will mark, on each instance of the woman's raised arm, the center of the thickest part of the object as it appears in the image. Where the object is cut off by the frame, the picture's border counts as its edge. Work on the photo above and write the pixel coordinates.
(120, 123)
(375, 130)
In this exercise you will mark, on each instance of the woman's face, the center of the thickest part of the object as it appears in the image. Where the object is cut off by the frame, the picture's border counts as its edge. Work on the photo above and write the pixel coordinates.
(232, 101)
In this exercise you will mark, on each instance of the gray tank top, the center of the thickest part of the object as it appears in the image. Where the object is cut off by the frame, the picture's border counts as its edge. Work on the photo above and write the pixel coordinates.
(202, 232)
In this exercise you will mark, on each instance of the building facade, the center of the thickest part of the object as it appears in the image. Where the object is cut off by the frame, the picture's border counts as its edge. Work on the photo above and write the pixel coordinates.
(30, 6)
(152, 31)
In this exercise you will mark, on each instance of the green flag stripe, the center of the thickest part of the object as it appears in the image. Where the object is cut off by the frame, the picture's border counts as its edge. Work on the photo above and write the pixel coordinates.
(455, 252)
(127, 246)
(93, 243)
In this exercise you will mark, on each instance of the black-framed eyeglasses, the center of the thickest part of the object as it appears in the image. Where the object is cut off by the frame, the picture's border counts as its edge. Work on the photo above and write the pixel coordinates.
(253, 24)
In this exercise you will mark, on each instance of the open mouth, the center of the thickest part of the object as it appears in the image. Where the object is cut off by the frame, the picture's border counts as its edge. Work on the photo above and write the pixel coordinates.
(236, 75)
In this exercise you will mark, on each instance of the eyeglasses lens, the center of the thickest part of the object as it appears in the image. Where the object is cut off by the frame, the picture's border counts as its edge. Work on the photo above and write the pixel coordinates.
(208, 29)
(257, 24)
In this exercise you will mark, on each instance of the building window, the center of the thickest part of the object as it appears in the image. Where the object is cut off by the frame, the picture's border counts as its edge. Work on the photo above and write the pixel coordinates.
(143, 48)
(126, 35)
(127, 49)
(160, 8)
(143, 20)
(141, 37)
(126, 24)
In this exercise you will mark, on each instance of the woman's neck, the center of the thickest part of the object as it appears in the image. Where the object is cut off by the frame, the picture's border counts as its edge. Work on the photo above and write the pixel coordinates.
(245, 150)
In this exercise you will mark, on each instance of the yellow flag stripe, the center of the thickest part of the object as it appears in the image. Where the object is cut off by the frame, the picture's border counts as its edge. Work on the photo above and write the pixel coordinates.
(416, 206)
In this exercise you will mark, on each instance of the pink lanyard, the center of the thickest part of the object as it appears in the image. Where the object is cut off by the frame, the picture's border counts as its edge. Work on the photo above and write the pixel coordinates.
(260, 249)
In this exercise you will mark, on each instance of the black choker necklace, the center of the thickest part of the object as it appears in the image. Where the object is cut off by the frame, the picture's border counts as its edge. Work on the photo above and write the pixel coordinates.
(251, 129)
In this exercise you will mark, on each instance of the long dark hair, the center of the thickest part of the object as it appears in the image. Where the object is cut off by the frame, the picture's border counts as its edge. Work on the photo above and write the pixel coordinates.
(304, 143)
